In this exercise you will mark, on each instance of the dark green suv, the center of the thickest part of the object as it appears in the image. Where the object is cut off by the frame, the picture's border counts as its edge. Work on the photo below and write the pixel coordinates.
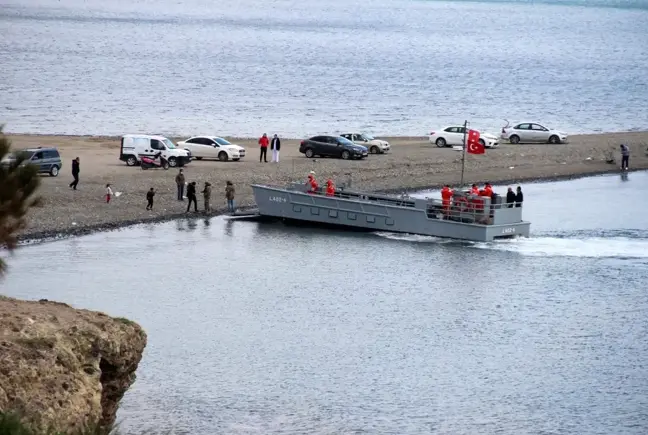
(46, 159)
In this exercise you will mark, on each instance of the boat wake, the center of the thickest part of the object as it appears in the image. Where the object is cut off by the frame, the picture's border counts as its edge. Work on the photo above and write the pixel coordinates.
(622, 244)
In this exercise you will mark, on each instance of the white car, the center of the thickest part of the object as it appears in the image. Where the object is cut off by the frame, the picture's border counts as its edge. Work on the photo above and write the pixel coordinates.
(454, 135)
(375, 146)
(212, 147)
(527, 132)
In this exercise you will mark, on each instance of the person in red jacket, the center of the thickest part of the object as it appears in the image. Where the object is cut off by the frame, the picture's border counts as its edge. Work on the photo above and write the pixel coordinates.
(312, 183)
(488, 190)
(446, 198)
(264, 148)
(474, 190)
(330, 188)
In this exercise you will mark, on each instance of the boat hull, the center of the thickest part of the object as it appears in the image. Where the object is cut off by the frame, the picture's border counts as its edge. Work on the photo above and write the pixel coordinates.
(411, 217)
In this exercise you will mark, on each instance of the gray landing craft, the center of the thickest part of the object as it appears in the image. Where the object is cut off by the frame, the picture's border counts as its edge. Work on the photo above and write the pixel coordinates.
(467, 217)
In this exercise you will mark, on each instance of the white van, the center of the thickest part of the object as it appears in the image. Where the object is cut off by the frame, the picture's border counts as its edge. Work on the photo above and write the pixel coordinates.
(134, 146)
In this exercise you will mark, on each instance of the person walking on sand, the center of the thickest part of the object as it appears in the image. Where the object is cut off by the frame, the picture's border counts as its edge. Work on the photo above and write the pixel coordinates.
(191, 196)
(263, 142)
(207, 195)
(229, 195)
(275, 144)
(625, 156)
(180, 184)
(75, 173)
(109, 193)
(149, 198)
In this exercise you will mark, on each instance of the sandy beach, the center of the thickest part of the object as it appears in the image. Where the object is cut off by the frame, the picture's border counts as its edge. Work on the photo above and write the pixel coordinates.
(413, 164)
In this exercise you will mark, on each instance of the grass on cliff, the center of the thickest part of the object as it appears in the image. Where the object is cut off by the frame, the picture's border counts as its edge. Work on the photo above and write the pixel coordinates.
(10, 424)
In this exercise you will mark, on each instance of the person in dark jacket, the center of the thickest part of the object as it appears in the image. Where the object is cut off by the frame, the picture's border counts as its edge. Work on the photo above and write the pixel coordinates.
(75, 173)
(625, 156)
(207, 195)
(519, 198)
(149, 198)
(191, 196)
(180, 185)
(275, 145)
(510, 197)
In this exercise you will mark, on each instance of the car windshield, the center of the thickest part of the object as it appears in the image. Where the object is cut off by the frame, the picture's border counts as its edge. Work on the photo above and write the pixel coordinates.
(170, 145)
(344, 141)
(367, 137)
(221, 141)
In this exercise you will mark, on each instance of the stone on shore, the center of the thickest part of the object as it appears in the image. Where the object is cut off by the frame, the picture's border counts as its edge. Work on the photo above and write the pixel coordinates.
(65, 369)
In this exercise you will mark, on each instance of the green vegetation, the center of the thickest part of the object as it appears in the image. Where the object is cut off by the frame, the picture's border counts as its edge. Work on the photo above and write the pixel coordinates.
(125, 321)
(10, 424)
(18, 184)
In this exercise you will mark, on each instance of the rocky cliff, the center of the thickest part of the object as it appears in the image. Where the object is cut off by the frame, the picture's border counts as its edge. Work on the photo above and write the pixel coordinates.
(63, 368)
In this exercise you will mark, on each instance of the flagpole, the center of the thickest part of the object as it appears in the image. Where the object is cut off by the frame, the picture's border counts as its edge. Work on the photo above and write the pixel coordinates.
(463, 157)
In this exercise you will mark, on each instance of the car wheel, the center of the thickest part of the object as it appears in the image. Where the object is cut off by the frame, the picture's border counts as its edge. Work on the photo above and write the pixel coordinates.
(222, 156)
(554, 139)
(165, 165)
(482, 143)
(374, 150)
(441, 142)
(131, 161)
(309, 153)
(346, 155)
(173, 162)
(515, 139)
(54, 171)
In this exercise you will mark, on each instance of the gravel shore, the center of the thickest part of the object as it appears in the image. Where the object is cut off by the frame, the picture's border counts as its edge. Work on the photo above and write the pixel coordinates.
(413, 164)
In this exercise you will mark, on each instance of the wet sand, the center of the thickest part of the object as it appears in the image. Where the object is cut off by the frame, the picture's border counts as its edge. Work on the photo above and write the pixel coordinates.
(413, 164)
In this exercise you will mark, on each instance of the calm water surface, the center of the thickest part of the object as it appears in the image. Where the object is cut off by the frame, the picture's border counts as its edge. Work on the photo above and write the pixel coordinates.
(266, 329)
(301, 67)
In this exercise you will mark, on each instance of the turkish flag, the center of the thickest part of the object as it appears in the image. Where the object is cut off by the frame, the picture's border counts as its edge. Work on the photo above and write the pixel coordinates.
(473, 144)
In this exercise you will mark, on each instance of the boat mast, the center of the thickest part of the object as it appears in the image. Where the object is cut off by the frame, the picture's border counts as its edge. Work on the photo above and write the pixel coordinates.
(463, 156)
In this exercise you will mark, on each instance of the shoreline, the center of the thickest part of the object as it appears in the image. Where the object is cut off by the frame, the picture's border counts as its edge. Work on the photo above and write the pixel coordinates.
(39, 237)
(413, 164)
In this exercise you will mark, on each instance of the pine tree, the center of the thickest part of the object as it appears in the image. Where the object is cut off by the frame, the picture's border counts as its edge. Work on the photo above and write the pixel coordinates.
(18, 184)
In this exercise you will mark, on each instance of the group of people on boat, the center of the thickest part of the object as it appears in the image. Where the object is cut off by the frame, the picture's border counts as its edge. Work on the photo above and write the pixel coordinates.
(513, 199)
(313, 186)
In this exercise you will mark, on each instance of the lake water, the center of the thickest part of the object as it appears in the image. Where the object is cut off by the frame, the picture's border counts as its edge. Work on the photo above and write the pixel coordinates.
(301, 67)
(266, 329)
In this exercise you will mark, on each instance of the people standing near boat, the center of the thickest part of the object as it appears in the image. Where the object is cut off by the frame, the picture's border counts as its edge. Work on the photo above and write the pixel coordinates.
(519, 197)
(207, 195)
(625, 156)
(275, 145)
(330, 188)
(109, 193)
(446, 198)
(229, 195)
(75, 173)
(149, 198)
(263, 142)
(180, 185)
(487, 190)
(474, 190)
(191, 196)
(510, 197)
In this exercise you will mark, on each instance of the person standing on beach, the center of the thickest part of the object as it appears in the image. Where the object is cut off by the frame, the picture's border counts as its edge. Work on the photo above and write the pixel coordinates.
(191, 196)
(149, 198)
(263, 142)
(519, 198)
(275, 144)
(75, 173)
(109, 193)
(625, 156)
(229, 195)
(207, 196)
(180, 184)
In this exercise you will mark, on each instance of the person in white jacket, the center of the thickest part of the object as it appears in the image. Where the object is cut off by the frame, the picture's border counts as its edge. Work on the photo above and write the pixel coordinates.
(275, 145)
(109, 193)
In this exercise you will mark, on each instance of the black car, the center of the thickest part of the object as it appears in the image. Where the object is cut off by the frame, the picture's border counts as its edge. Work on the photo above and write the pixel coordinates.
(332, 146)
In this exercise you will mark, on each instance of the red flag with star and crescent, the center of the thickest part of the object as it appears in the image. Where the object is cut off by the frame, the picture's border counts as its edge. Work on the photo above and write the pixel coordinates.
(473, 144)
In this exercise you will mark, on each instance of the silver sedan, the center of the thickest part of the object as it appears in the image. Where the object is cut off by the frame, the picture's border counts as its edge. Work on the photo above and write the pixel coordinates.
(528, 132)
